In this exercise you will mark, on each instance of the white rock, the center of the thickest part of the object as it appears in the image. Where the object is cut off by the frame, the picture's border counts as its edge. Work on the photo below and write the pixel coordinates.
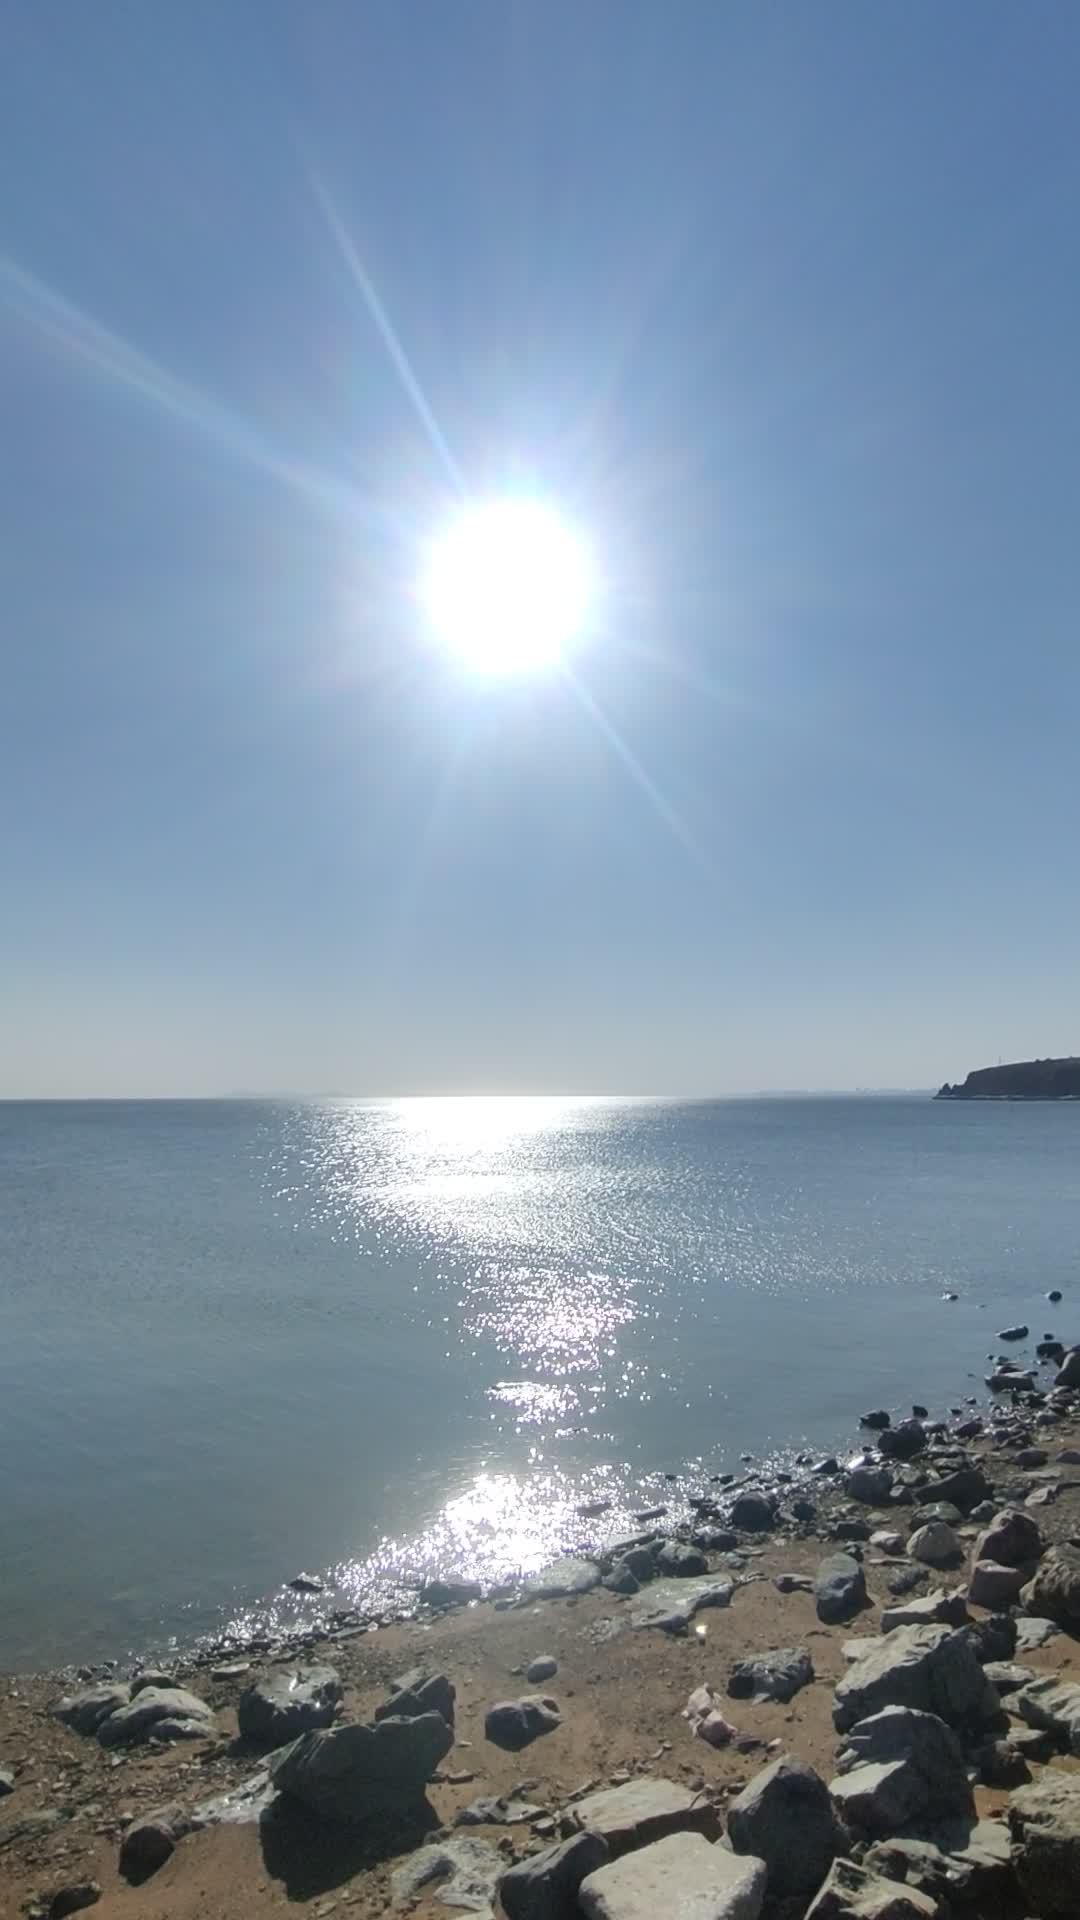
(681, 1878)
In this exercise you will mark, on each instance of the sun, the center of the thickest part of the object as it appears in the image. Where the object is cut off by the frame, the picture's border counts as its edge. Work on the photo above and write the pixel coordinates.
(507, 586)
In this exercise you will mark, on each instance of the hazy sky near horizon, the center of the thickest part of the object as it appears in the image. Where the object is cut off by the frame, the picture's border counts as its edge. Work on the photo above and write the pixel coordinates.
(778, 304)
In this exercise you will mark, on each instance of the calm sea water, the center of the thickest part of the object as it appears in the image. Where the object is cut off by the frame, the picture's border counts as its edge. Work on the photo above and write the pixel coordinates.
(242, 1339)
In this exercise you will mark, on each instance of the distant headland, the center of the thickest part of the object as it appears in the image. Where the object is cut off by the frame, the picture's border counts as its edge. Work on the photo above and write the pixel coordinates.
(1022, 1080)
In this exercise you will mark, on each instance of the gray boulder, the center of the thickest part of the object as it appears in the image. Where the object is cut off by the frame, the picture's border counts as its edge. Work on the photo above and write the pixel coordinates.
(680, 1562)
(1044, 1821)
(85, 1711)
(545, 1886)
(1052, 1704)
(420, 1690)
(964, 1487)
(641, 1811)
(351, 1773)
(784, 1817)
(971, 1870)
(1007, 1678)
(461, 1871)
(839, 1588)
(283, 1705)
(753, 1512)
(441, 1594)
(938, 1510)
(871, 1485)
(514, 1724)
(900, 1769)
(149, 1841)
(1054, 1592)
(1012, 1539)
(158, 1713)
(73, 1898)
(928, 1668)
(935, 1545)
(854, 1892)
(778, 1675)
(903, 1441)
(994, 1586)
(680, 1876)
(571, 1574)
(938, 1609)
(1033, 1633)
(671, 1605)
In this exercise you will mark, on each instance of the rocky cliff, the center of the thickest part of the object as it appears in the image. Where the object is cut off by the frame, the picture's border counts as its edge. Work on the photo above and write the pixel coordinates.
(1021, 1080)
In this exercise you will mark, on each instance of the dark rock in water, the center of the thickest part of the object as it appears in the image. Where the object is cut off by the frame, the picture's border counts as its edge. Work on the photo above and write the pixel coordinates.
(785, 1818)
(85, 1711)
(920, 1413)
(544, 1667)
(753, 1512)
(1050, 1350)
(877, 1420)
(149, 1841)
(1054, 1295)
(621, 1580)
(675, 1560)
(931, 1669)
(1013, 1333)
(777, 1675)
(159, 1713)
(714, 1539)
(72, 1899)
(440, 1594)
(870, 1485)
(839, 1588)
(283, 1705)
(830, 1464)
(307, 1583)
(545, 1886)
(1010, 1380)
(353, 1773)
(898, 1768)
(904, 1441)
(853, 1892)
(1054, 1592)
(514, 1724)
(420, 1690)
(905, 1580)
(1044, 1821)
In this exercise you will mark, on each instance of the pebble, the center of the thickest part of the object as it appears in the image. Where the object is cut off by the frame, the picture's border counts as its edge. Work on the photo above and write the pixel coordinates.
(544, 1667)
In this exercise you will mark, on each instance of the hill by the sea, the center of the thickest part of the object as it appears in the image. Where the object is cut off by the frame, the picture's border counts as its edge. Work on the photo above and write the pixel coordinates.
(1021, 1080)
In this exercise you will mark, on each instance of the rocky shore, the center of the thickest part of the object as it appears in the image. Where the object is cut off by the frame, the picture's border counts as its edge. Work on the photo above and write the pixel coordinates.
(850, 1693)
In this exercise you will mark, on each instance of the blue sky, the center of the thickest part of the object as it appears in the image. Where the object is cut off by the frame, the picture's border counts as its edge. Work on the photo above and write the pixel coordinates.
(780, 305)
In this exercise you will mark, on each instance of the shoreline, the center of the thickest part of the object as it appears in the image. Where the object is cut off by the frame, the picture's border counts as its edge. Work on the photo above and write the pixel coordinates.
(622, 1691)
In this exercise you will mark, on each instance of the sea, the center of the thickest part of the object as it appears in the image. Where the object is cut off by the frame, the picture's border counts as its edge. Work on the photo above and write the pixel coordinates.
(376, 1341)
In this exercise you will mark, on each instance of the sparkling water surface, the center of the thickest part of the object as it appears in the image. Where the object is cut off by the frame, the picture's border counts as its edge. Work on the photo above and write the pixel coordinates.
(377, 1340)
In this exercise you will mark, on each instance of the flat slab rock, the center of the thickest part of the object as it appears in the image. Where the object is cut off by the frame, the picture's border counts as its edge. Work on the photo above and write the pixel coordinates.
(561, 1577)
(641, 1812)
(672, 1604)
(1052, 1704)
(460, 1872)
(937, 1609)
(682, 1878)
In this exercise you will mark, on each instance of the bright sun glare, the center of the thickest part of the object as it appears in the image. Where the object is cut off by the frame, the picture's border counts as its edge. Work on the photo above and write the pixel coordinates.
(507, 586)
